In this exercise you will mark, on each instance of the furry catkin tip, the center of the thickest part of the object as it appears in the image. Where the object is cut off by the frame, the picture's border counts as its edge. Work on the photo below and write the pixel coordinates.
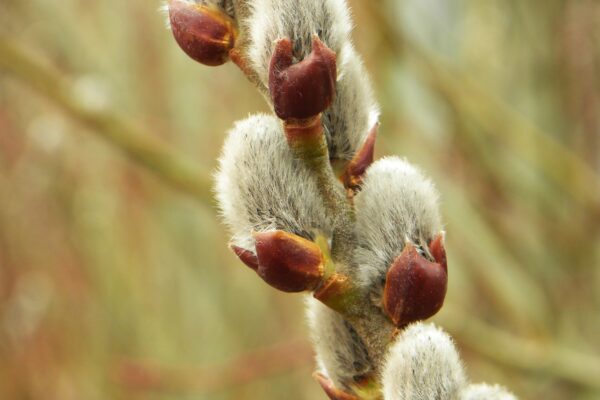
(397, 205)
(422, 364)
(260, 186)
(482, 391)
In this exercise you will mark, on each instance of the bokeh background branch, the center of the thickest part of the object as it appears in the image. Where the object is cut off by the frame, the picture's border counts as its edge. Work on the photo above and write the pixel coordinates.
(99, 261)
(143, 147)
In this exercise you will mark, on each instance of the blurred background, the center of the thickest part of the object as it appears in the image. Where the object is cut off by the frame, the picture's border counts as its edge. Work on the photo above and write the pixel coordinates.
(115, 277)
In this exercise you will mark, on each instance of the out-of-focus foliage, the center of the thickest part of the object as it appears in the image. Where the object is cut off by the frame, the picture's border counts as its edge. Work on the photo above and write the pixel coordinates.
(113, 285)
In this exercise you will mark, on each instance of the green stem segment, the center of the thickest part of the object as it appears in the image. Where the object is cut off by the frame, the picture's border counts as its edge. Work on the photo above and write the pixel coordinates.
(338, 289)
(307, 141)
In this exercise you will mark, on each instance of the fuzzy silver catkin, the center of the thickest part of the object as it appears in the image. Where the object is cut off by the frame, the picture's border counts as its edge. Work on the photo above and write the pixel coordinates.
(341, 354)
(354, 110)
(260, 186)
(422, 364)
(397, 204)
(482, 391)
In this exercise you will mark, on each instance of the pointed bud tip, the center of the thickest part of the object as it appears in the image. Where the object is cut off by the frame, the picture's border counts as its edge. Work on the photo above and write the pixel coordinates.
(415, 287)
(245, 256)
(288, 262)
(203, 33)
(438, 251)
(304, 89)
(330, 390)
(362, 160)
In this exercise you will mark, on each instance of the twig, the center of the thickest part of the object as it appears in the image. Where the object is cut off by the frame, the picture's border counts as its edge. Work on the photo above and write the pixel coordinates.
(549, 358)
(141, 146)
(258, 364)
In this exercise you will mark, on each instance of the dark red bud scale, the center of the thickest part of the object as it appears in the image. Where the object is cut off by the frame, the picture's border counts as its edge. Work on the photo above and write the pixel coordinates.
(203, 33)
(246, 256)
(288, 262)
(362, 160)
(415, 287)
(436, 247)
(304, 89)
(330, 390)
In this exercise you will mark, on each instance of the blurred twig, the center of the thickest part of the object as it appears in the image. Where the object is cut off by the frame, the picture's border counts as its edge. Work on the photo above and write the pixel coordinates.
(257, 364)
(548, 358)
(137, 144)
(527, 355)
(525, 139)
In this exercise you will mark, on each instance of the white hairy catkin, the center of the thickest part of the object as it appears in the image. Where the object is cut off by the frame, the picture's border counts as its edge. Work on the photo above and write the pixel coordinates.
(422, 364)
(260, 186)
(482, 391)
(397, 204)
(340, 352)
(354, 110)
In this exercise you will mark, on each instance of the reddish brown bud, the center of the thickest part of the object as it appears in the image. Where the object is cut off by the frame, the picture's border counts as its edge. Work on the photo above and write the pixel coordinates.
(288, 262)
(363, 158)
(306, 88)
(415, 287)
(246, 256)
(332, 392)
(203, 33)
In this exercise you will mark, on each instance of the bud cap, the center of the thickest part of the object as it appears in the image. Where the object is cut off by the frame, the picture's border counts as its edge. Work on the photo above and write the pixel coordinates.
(332, 392)
(304, 89)
(415, 287)
(288, 262)
(203, 33)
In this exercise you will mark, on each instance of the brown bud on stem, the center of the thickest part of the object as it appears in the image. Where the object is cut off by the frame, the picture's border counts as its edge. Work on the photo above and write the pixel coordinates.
(363, 158)
(415, 287)
(332, 392)
(306, 88)
(288, 262)
(203, 33)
